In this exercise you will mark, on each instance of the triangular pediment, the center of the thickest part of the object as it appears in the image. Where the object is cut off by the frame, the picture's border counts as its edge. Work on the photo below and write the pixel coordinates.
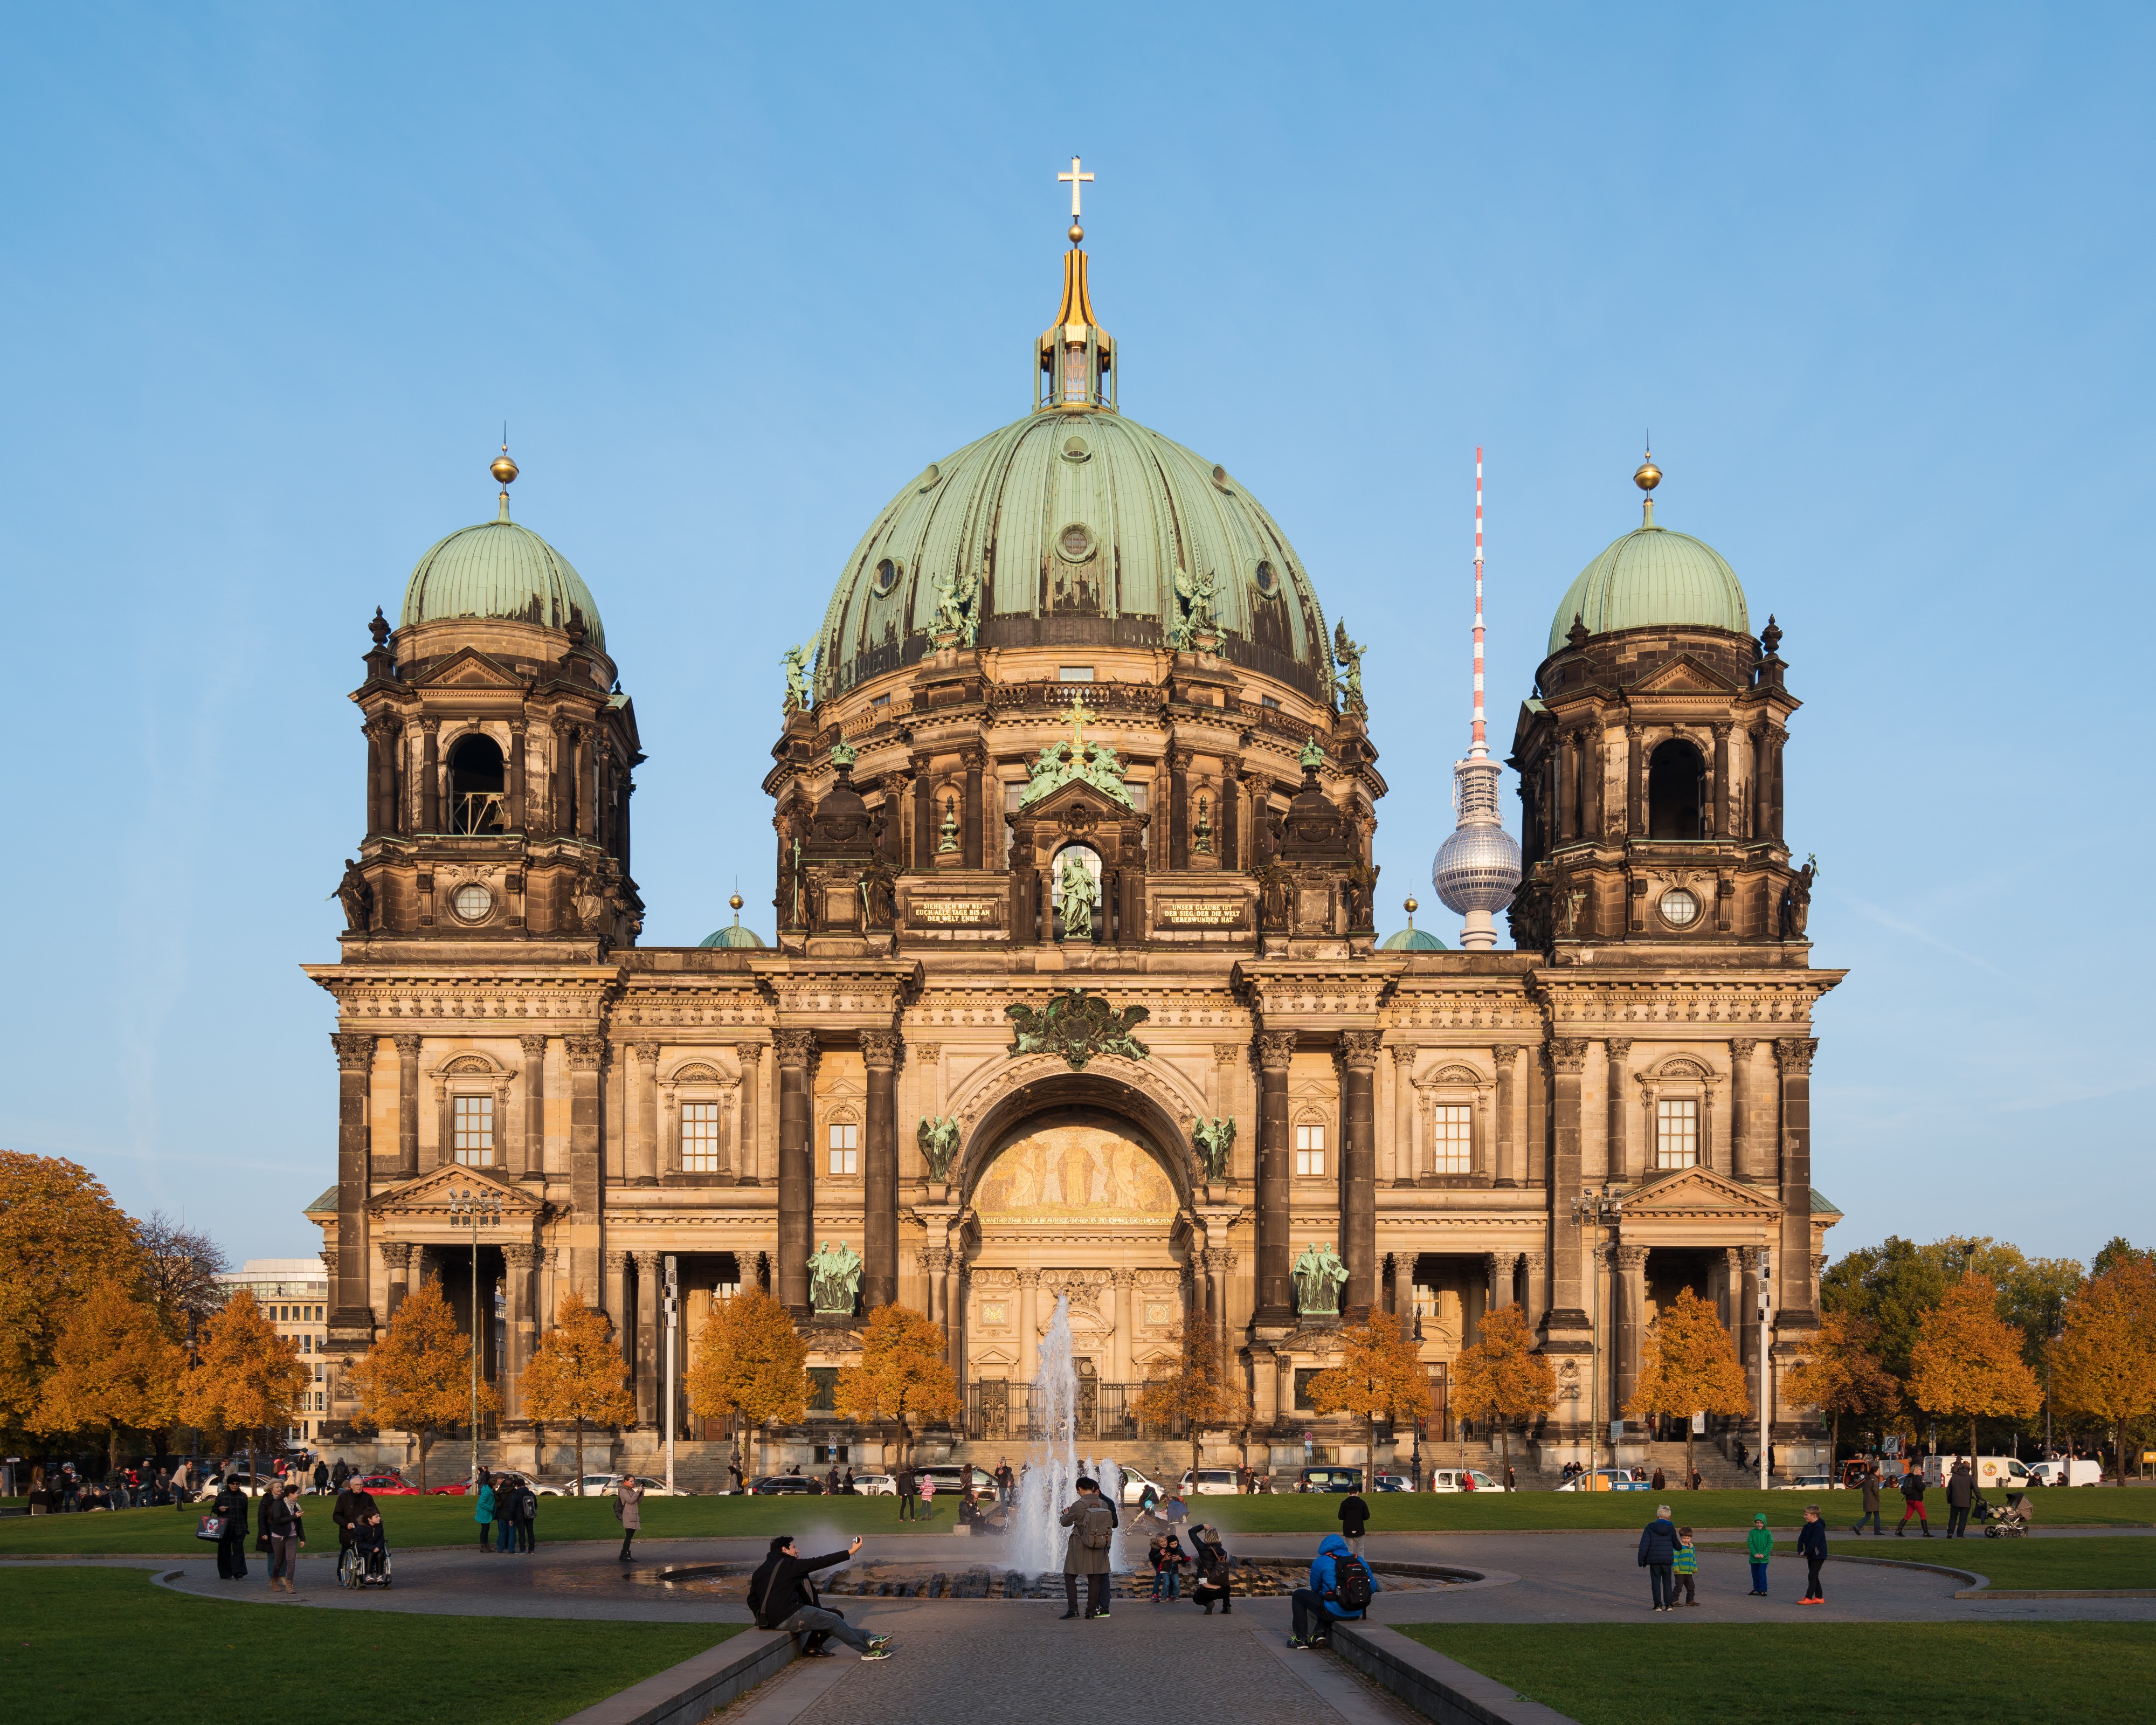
(431, 1193)
(468, 668)
(1692, 1189)
(1684, 675)
(1077, 795)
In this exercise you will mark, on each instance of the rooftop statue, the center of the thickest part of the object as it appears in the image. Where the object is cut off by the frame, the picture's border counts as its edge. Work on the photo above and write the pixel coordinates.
(800, 696)
(1195, 597)
(957, 608)
(1060, 763)
(1347, 653)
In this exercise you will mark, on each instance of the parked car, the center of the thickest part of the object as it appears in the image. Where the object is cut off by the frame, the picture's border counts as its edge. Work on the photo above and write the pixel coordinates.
(1135, 1483)
(599, 1485)
(1809, 1482)
(875, 1485)
(387, 1485)
(1208, 1482)
(785, 1484)
(1393, 1483)
(950, 1477)
(1609, 1479)
(459, 1488)
(1328, 1479)
(1456, 1479)
(2080, 1470)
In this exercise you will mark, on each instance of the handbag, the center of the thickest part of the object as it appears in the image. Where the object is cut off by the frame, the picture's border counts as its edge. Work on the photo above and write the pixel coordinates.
(210, 1527)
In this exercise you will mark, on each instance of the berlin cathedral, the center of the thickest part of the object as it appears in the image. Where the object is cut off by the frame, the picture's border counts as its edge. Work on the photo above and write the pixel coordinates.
(1077, 991)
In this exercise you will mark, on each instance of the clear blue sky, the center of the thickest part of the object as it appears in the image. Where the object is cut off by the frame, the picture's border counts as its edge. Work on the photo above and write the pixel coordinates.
(1876, 277)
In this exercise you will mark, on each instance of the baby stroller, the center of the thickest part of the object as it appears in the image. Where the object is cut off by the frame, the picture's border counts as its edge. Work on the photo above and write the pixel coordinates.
(365, 1563)
(2012, 1522)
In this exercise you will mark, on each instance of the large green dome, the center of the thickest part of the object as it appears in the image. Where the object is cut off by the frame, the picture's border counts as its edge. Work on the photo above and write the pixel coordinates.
(1076, 522)
(498, 569)
(1649, 577)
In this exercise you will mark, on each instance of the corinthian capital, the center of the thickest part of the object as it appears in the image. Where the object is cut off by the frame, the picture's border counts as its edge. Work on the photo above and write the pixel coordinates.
(880, 1049)
(1794, 1055)
(796, 1048)
(1568, 1054)
(354, 1053)
(1359, 1050)
(1275, 1049)
(586, 1054)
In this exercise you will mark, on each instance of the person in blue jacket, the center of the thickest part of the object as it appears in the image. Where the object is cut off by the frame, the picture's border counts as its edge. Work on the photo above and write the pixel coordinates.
(1658, 1556)
(1811, 1547)
(1320, 1605)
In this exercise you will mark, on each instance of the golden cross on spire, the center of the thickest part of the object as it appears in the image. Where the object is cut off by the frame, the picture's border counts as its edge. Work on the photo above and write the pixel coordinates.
(1078, 720)
(1075, 179)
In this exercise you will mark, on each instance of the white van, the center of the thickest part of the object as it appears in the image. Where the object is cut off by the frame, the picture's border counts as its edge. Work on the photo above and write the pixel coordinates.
(1993, 1473)
(2080, 1470)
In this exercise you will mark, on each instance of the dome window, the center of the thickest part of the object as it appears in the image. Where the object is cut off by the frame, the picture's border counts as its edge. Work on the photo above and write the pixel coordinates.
(1219, 476)
(1676, 791)
(1074, 543)
(1266, 577)
(931, 477)
(1075, 448)
(471, 902)
(1679, 908)
(887, 572)
(478, 802)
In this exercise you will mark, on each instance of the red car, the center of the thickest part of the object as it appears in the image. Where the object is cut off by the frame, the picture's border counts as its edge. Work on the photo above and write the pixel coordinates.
(387, 1485)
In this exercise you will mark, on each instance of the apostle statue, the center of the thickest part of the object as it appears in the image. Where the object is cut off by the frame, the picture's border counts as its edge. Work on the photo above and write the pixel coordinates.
(834, 1271)
(358, 897)
(1318, 1275)
(1076, 893)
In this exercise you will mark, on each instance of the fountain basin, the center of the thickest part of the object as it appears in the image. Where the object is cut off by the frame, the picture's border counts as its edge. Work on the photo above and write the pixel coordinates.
(1254, 1578)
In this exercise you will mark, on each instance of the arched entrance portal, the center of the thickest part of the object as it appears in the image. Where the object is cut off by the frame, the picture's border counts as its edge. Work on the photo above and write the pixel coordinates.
(1073, 1201)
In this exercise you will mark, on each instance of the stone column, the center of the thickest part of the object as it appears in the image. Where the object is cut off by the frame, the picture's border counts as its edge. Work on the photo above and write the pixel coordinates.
(954, 1306)
(1231, 773)
(430, 775)
(1743, 1155)
(647, 1338)
(397, 1259)
(1535, 1161)
(615, 1299)
(1178, 816)
(1283, 1385)
(1721, 780)
(1359, 1195)
(1029, 1324)
(934, 1261)
(1568, 1057)
(1276, 1158)
(350, 1303)
(1404, 1169)
(1747, 1319)
(590, 745)
(1732, 1295)
(1775, 740)
(1508, 1137)
(971, 840)
(1567, 787)
(880, 1172)
(1620, 1161)
(1793, 1296)
(796, 1168)
(1631, 1291)
(1119, 1344)
(372, 733)
(748, 1165)
(535, 1106)
(1634, 825)
(1500, 1267)
(1537, 1263)
(523, 1261)
(586, 1056)
(407, 1105)
(924, 812)
(643, 1114)
(1592, 768)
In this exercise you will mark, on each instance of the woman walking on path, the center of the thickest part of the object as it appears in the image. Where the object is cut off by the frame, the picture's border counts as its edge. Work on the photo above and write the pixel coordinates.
(627, 1495)
(1811, 1546)
(281, 1516)
(1759, 1546)
(231, 1505)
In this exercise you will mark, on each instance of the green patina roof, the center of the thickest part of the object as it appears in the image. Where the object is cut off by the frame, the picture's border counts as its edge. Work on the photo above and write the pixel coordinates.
(326, 1202)
(1822, 1206)
(733, 936)
(1412, 940)
(499, 569)
(1004, 509)
(1651, 577)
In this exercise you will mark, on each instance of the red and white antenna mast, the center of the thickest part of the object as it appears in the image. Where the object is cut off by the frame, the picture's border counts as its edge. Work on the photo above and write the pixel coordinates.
(1479, 747)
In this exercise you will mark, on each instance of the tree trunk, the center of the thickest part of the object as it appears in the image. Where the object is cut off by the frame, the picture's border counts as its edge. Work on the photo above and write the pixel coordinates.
(112, 1449)
(426, 1443)
(580, 1454)
(1687, 1479)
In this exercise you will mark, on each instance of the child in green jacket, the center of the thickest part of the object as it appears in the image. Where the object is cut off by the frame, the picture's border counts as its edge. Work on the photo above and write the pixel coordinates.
(1686, 1569)
(1759, 1545)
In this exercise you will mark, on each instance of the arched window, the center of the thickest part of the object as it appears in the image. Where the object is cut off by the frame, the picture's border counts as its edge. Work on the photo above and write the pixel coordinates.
(478, 802)
(1676, 791)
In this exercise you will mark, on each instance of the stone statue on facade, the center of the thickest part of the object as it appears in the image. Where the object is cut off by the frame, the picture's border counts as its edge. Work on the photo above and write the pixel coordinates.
(1201, 838)
(1319, 1275)
(357, 898)
(1348, 653)
(939, 1144)
(800, 696)
(957, 607)
(1212, 1140)
(1076, 893)
(1796, 906)
(1077, 1025)
(1195, 597)
(834, 1271)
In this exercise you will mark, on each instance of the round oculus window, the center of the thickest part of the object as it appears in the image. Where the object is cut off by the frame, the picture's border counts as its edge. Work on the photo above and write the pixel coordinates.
(472, 901)
(1075, 543)
(931, 477)
(1679, 908)
(886, 575)
(1075, 448)
(1268, 581)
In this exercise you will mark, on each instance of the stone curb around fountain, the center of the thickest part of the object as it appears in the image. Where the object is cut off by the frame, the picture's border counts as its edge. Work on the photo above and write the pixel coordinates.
(691, 1692)
(1437, 1687)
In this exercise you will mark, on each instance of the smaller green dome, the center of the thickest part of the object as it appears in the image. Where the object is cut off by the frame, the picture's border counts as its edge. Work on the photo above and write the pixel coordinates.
(1412, 939)
(498, 569)
(734, 936)
(1653, 577)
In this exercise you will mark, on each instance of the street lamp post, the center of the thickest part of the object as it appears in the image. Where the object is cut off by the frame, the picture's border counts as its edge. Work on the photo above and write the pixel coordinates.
(1596, 1210)
(478, 1209)
(673, 1319)
(1766, 1359)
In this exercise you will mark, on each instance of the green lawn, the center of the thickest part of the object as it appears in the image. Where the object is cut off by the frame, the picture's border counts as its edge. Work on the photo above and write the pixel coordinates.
(89, 1646)
(2033, 1562)
(1861, 1673)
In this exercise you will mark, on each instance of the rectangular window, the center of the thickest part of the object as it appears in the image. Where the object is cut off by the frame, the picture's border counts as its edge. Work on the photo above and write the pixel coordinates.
(845, 1150)
(1310, 1152)
(1676, 1134)
(1074, 673)
(1303, 1374)
(1451, 1141)
(700, 1138)
(473, 1123)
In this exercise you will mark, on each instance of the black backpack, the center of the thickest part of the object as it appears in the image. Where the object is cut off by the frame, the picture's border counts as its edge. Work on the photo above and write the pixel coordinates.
(1351, 1582)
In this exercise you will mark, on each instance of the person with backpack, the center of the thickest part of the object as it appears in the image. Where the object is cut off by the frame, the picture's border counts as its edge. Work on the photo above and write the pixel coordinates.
(1354, 1521)
(782, 1595)
(1091, 1520)
(1213, 1572)
(1341, 1587)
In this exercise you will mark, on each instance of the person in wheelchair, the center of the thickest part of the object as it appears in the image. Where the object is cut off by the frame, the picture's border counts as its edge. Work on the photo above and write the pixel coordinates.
(358, 1520)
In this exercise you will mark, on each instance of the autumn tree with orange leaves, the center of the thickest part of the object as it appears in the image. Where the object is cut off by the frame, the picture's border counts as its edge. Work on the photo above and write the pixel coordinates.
(60, 1236)
(577, 1373)
(1841, 1373)
(1967, 1364)
(1503, 1377)
(114, 1367)
(751, 1363)
(1192, 1387)
(1689, 1366)
(2103, 1364)
(246, 1378)
(1380, 1376)
(417, 1377)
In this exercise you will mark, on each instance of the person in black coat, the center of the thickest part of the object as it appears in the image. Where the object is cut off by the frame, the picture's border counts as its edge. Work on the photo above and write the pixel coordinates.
(1213, 1574)
(231, 1504)
(1811, 1547)
(1354, 1521)
(1658, 1556)
(782, 1595)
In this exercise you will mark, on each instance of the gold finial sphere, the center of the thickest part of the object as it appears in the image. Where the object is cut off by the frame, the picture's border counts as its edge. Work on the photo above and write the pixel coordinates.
(1412, 907)
(734, 902)
(503, 470)
(1649, 475)
(1077, 234)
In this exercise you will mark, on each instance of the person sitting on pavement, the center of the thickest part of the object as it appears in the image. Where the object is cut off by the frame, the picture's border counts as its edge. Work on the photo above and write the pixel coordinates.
(1213, 1572)
(1340, 1587)
(782, 1595)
